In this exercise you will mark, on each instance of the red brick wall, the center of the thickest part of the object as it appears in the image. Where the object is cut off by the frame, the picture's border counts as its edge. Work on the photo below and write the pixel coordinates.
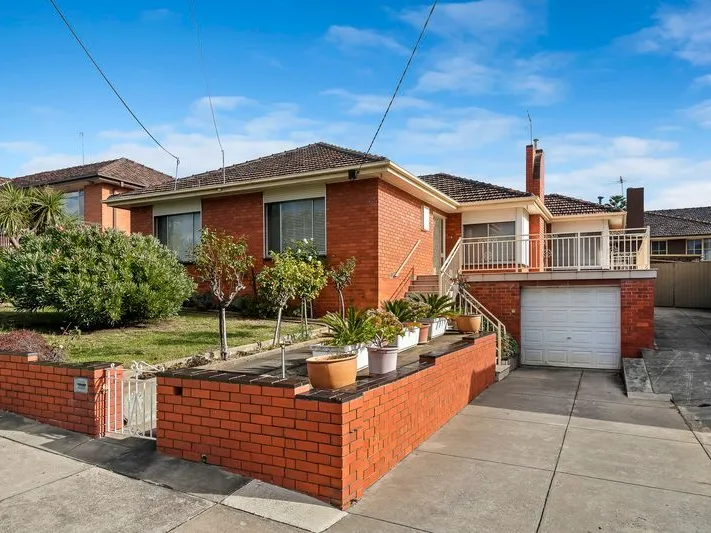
(97, 212)
(503, 299)
(45, 392)
(329, 450)
(453, 230)
(142, 219)
(637, 316)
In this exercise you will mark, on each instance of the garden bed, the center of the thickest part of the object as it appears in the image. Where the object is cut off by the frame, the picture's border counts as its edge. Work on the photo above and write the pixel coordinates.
(189, 333)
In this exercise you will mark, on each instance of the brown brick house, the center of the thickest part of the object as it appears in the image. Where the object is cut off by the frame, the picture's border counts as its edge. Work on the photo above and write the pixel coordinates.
(680, 234)
(565, 276)
(87, 186)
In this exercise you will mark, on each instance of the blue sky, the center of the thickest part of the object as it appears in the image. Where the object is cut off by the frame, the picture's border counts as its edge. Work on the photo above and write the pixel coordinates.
(621, 88)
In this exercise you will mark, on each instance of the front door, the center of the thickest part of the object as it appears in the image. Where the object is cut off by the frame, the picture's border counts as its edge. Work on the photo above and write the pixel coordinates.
(438, 244)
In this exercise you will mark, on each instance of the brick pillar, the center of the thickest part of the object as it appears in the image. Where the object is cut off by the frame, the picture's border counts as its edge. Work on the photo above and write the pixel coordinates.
(536, 230)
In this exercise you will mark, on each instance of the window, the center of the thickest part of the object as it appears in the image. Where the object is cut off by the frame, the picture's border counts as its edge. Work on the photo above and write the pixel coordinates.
(180, 233)
(493, 243)
(286, 222)
(694, 247)
(659, 247)
(74, 204)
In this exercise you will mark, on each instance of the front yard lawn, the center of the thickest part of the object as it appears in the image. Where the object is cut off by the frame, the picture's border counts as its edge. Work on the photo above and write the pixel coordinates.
(187, 334)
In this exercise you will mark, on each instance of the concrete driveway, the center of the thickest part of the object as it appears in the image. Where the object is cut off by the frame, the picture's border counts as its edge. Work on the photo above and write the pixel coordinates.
(681, 363)
(544, 450)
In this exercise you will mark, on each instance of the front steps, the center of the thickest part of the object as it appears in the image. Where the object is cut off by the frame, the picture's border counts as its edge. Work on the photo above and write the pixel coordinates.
(637, 382)
(424, 285)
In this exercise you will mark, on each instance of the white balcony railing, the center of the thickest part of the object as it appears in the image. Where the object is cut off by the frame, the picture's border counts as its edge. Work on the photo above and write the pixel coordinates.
(626, 249)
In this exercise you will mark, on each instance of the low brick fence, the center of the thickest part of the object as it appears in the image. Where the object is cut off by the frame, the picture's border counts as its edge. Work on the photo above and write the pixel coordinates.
(331, 444)
(69, 396)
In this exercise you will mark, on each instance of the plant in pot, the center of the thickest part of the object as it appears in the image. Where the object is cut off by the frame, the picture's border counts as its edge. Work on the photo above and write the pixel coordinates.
(332, 371)
(350, 334)
(438, 308)
(410, 335)
(467, 322)
(382, 354)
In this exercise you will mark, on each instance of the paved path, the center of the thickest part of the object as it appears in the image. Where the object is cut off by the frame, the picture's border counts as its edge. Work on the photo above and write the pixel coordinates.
(544, 450)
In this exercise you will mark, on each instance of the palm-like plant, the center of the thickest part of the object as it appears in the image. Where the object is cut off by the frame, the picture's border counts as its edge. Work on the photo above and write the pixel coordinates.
(356, 327)
(34, 209)
(46, 208)
(402, 309)
(438, 305)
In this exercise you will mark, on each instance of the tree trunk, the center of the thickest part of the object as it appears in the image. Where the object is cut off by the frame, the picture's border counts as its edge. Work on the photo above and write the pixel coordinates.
(223, 334)
(277, 330)
(15, 242)
(306, 320)
(341, 304)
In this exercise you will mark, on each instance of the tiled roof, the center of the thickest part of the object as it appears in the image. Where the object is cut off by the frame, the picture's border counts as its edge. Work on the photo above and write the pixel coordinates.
(466, 190)
(560, 205)
(679, 222)
(310, 158)
(117, 169)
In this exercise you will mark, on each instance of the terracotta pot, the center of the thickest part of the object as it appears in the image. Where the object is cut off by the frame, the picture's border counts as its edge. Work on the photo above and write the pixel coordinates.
(382, 360)
(332, 371)
(469, 323)
(424, 334)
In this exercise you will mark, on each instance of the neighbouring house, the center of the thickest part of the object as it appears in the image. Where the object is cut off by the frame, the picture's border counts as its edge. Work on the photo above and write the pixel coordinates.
(568, 278)
(680, 234)
(85, 188)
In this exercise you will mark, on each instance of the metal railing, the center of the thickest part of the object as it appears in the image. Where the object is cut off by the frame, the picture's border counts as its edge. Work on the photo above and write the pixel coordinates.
(131, 401)
(404, 262)
(626, 249)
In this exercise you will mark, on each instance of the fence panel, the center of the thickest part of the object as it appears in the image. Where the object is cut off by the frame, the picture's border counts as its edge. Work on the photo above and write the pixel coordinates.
(683, 285)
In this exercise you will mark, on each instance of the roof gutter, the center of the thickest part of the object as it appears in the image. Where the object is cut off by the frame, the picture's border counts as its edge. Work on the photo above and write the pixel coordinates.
(122, 200)
(436, 197)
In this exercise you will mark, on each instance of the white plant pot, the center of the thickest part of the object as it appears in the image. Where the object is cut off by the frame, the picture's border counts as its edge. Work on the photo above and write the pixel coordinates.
(408, 339)
(382, 360)
(437, 326)
(361, 350)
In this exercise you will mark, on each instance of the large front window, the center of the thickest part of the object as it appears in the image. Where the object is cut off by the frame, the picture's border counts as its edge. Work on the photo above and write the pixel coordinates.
(659, 247)
(493, 243)
(74, 204)
(296, 220)
(700, 247)
(180, 233)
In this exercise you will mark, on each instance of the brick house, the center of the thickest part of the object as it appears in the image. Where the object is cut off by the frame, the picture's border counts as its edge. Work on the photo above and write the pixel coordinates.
(85, 188)
(680, 234)
(569, 279)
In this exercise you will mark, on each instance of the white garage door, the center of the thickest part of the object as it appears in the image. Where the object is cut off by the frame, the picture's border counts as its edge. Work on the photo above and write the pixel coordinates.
(571, 326)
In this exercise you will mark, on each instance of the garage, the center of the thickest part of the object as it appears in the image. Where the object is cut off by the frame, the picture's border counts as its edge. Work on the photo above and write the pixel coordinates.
(571, 326)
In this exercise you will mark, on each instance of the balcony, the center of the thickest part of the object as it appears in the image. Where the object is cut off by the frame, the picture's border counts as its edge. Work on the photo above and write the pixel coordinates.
(626, 249)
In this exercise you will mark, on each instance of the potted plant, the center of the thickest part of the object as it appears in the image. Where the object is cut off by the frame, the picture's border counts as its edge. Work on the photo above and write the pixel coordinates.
(382, 355)
(419, 312)
(438, 308)
(350, 335)
(467, 323)
(332, 371)
(410, 334)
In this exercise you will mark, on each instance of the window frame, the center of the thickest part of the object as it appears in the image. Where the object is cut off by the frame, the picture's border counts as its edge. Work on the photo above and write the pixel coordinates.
(82, 199)
(265, 221)
(666, 248)
(701, 245)
(156, 233)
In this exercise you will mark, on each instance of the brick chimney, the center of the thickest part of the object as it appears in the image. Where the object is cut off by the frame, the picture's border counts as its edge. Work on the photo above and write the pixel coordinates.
(535, 171)
(635, 207)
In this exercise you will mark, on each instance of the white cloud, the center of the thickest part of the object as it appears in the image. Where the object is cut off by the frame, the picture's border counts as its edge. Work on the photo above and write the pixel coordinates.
(702, 81)
(459, 74)
(21, 147)
(681, 31)
(348, 37)
(362, 104)
(228, 103)
(573, 147)
(481, 19)
(700, 113)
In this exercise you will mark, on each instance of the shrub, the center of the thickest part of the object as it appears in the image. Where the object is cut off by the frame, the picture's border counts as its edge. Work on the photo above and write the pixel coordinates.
(386, 327)
(509, 347)
(355, 328)
(97, 277)
(26, 341)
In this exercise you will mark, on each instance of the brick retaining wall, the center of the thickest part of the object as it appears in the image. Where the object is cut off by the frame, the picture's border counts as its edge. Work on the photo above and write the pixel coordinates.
(45, 392)
(330, 444)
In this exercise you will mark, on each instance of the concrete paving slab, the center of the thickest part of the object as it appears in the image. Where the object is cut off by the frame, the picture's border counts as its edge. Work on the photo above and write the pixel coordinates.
(658, 422)
(523, 407)
(98, 501)
(362, 524)
(704, 437)
(439, 493)
(97, 452)
(546, 373)
(205, 481)
(564, 388)
(33, 433)
(285, 506)
(646, 461)
(699, 418)
(505, 441)
(228, 520)
(579, 504)
(23, 468)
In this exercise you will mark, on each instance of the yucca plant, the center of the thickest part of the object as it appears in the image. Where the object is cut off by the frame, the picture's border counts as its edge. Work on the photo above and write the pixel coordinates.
(402, 309)
(356, 327)
(438, 306)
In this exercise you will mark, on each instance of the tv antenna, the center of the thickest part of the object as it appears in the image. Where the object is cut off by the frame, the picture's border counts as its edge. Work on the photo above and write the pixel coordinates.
(530, 126)
(81, 137)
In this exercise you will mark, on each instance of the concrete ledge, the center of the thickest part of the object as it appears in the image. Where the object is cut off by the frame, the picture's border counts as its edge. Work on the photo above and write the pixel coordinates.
(637, 382)
(562, 276)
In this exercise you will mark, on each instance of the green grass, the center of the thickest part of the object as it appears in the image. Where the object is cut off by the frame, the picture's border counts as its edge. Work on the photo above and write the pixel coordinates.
(187, 334)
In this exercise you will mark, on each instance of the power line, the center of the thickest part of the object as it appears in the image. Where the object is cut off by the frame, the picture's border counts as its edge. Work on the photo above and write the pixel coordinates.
(111, 85)
(207, 83)
(402, 77)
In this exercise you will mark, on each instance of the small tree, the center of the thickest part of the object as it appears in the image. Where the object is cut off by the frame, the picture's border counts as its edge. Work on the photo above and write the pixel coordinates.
(618, 201)
(342, 276)
(279, 283)
(32, 210)
(313, 277)
(222, 261)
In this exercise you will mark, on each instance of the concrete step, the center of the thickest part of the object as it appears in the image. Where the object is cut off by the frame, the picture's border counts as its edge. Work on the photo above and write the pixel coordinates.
(502, 372)
(415, 287)
(428, 277)
(637, 382)
(410, 294)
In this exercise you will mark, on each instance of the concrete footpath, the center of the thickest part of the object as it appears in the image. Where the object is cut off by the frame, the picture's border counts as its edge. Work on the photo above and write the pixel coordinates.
(544, 450)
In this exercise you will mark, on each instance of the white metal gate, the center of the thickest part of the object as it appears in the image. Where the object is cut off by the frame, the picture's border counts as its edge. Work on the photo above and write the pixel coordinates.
(131, 401)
